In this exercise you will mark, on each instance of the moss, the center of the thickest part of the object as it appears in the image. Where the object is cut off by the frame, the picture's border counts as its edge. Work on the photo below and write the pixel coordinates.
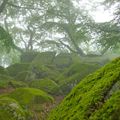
(16, 84)
(63, 60)
(46, 85)
(44, 58)
(3, 71)
(73, 74)
(44, 71)
(28, 57)
(4, 81)
(88, 101)
(25, 76)
(7, 81)
(28, 96)
(11, 110)
(5, 77)
(12, 84)
(14, 69)
(110, 110)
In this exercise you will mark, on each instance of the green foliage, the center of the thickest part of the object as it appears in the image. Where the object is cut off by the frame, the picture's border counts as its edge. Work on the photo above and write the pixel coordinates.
(11, 110)
(110, 36)
(46, 85)
(5, 39)
(28, 96)
(89, 99)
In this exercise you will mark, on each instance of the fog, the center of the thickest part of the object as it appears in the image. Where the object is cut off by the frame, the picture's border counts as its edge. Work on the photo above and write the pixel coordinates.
(56, 49)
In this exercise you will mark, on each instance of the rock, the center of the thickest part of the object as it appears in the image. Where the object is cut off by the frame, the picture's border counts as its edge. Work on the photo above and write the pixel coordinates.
(87, 101)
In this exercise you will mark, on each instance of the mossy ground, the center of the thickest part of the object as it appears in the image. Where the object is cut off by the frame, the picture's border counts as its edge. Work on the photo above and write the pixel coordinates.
(88, 101)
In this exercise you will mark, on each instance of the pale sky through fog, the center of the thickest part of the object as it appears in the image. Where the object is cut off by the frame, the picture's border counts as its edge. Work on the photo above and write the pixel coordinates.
(97, 11)
(101, 15)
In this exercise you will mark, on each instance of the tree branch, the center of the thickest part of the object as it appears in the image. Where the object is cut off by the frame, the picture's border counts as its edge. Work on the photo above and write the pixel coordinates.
(3, 5)
(22, 7)
(68, 47)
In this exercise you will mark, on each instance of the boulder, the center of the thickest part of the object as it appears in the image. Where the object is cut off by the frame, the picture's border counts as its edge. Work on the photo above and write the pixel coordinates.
(88, 101)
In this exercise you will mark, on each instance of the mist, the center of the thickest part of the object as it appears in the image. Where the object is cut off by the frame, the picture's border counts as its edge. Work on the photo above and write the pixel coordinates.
(47, 47)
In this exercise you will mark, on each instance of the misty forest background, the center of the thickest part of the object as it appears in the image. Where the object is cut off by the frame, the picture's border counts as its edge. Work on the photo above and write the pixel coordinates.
(47, 47)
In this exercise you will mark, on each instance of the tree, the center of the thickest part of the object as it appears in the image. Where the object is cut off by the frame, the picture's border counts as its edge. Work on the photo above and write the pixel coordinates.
(73, 22)
(110, 31)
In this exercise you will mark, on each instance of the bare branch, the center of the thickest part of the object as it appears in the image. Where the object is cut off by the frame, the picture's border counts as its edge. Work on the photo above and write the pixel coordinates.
(23, 7)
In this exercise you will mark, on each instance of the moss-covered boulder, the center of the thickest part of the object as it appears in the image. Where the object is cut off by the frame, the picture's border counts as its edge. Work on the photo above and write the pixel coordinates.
(73, 74)
(28, 96)
(46, 85)
(63, 60)
(14, 69)
(94, 97)
(3, 71)
(42, 71)
(9, 82)
(41, 57)
(44, 58)
(28, 57)
(11, 110)
(25, 76)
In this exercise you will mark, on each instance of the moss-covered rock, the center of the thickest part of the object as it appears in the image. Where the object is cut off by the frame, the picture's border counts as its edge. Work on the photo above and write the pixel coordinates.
(28, 96)
(42, 71)
(11, 110)
(5, 77)
(44, 58)
(63, 60)
(90, 99)
(3, 71)
(28, 57)
(73, 74)
(7, 81)
(25, 76)
(14, 69)
(46, 85)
